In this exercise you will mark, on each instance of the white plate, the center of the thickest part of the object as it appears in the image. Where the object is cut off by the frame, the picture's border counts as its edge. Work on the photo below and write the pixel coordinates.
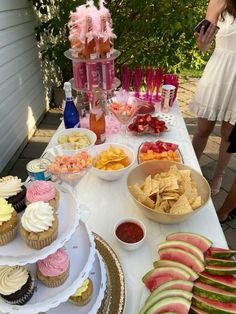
(81, 250)
(98, 277)
(18, 253)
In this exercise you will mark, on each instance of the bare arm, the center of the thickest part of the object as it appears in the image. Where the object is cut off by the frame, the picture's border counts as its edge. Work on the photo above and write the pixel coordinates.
(214, 9)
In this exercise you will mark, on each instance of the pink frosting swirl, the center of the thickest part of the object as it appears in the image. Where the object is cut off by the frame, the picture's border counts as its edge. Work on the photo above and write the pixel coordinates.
(55, 264)
(40, 191)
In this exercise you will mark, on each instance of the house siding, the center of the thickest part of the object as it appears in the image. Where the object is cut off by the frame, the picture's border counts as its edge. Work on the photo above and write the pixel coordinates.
(22, 100)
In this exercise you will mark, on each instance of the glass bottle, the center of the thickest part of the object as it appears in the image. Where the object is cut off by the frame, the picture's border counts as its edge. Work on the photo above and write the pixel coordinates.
(71, 115)
(97, 122)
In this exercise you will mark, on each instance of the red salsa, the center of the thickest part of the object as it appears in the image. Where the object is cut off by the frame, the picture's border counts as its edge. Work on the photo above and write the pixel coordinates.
(129, 232)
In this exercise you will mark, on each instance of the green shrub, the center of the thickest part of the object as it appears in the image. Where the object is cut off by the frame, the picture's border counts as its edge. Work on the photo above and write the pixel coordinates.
(149, 32)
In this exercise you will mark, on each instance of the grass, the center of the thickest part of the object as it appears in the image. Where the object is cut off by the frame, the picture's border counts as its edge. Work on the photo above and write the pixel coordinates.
(191, 72)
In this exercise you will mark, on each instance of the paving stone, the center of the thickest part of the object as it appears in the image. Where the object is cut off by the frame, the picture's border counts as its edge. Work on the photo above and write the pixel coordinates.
(43, 132)
(19, 168)
(52, 118)
(219, 198)
(34, 149)
(204, 160)
(228, 177)
(46, 126)
(224, 227)
(230, 237)
(232, 224)
(232, 163)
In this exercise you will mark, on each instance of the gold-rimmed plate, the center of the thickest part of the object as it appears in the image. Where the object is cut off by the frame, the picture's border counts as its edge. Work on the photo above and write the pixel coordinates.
(114, 300)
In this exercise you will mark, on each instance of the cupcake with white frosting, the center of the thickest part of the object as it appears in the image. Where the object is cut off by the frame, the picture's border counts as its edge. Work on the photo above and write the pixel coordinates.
(39, 225)
(8, 222)
(16, 285)
(13, 191)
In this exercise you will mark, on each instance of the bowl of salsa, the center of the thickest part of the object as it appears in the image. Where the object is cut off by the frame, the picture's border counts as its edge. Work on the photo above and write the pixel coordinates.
(130, 233)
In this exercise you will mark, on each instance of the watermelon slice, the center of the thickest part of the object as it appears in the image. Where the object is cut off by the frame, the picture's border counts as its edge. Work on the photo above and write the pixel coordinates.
(220, 270)
(156, 297)
(227, 282)
(177, 305)
(214, 306)
(195, 310)
(211, 292)
(193, 238)
(155, 277)
(183, 246)
(182, 256)
(165, 262)
(220, 253)
(221, 262)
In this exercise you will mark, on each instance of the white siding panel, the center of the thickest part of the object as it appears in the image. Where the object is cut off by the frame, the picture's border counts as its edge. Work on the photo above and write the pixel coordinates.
(15, 17)
(22, 99)
(19, 101)
(16, 48)
(8, 147)
(13, 4)
(15, 33)
(16, 82)
(16, 65)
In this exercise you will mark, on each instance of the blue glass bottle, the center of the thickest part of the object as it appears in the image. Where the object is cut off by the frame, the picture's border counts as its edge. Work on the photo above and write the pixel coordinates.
(71, 115)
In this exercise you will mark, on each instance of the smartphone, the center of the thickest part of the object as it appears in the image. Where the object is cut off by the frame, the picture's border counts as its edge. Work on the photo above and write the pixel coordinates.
(204, 23)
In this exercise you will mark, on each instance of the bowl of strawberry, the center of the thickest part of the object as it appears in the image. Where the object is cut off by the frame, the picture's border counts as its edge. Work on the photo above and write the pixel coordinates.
(159, 150)
(147, 124)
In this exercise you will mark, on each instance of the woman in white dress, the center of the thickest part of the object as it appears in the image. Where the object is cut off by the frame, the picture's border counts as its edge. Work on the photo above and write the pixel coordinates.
(215, 96)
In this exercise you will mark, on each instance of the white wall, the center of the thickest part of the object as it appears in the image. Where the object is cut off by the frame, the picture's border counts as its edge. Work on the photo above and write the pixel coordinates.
(22, 99)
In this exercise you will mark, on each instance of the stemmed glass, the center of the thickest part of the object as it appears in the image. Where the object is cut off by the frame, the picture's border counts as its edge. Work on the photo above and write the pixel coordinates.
(67, 177)
(124, 109)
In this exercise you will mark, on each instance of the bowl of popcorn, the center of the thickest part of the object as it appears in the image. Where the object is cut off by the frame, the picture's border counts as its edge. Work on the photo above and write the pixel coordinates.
(111, 161)
(68, 168)
(74, 139)
(166, 191)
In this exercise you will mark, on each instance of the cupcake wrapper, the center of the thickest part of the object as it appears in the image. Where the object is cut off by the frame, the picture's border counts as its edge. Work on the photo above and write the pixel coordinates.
(25, 298)
(54, 281)
(20, 206)
(80, 301)
(39, 244)
(8, 236)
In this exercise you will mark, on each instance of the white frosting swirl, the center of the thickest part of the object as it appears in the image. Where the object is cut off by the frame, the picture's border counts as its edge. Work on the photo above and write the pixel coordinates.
(38, 217)
(12, 279)
(9, 186)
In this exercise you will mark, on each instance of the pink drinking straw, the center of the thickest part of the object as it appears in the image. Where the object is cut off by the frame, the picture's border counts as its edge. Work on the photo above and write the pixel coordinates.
(158, 80)
(138, 77)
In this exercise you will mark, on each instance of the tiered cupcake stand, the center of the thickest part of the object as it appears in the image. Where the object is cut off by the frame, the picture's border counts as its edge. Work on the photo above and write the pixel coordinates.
(85, 261)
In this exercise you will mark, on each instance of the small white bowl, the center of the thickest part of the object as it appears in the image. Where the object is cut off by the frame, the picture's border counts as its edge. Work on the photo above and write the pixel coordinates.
(90, 135)
(130, 246)
(112, 175)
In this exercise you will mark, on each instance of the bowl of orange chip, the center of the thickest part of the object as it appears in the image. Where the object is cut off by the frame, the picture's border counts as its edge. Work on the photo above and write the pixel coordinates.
(111, 160)
(166, 191)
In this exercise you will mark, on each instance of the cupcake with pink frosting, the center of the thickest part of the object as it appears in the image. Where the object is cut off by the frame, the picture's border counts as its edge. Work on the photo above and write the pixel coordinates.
(42, 191)
(54, 269)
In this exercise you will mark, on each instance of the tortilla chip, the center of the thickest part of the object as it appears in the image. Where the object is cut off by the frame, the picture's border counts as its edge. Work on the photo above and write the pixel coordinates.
(197, 203)
(137, 193)
(182, 206)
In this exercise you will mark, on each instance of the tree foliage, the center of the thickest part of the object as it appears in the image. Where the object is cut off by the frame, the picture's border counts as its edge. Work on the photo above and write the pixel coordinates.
(149, 32)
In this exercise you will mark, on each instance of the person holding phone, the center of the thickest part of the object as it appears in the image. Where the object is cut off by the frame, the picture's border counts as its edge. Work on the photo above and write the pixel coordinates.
(215, 96)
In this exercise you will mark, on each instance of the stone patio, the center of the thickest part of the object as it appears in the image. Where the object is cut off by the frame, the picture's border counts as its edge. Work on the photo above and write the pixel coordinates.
(52, 119)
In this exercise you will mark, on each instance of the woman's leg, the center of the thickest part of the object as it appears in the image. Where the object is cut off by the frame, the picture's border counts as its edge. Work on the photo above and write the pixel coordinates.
(204, 129)
(229, 203)
(223, 159)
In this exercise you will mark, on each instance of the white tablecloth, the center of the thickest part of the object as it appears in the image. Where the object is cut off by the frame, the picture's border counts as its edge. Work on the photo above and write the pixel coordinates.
(109, 201)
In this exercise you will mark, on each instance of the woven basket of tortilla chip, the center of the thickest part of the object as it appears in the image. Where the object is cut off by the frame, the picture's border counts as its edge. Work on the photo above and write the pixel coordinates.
(166, 191)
